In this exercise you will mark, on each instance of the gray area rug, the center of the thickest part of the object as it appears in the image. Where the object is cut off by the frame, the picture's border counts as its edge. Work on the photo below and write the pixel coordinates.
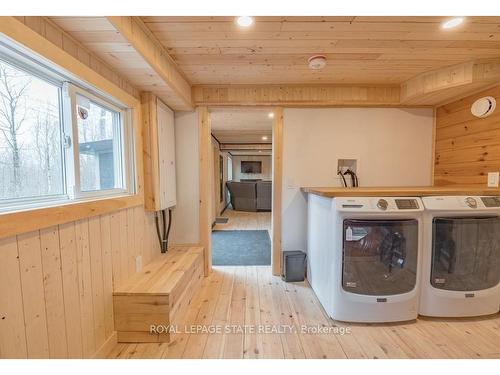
(241, 248)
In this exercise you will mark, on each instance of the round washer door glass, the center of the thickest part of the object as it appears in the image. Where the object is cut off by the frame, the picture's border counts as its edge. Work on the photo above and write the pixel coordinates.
(379, 256)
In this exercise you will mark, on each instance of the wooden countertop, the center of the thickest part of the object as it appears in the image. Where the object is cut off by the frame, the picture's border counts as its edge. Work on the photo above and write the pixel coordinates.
(402, 191)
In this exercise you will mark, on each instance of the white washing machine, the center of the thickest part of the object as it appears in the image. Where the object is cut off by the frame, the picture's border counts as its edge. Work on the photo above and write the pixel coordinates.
(461, 262)
(364, 256)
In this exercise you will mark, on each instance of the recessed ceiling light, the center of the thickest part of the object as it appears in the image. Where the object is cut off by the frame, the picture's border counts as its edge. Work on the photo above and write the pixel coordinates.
(270, 115)
(451, 23)
(244, 21)
(264, 138)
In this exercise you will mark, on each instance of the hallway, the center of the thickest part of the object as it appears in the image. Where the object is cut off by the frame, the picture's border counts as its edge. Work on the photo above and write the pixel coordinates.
(242, 220)
(245, 240)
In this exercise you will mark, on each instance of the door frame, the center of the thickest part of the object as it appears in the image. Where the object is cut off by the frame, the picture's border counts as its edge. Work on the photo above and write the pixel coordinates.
(276, 258)
(206, 173)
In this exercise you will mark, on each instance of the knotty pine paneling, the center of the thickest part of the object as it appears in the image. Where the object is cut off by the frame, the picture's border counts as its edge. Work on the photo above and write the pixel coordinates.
(52, 32)
(56, 284)
(12, 328)
(359, 50)
(467, 147)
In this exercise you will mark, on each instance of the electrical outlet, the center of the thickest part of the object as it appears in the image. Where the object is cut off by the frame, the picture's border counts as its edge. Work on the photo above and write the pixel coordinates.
(493, 178)
(138, 263)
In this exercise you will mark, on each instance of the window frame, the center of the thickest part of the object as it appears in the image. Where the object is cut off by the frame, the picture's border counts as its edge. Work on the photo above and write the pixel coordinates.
(126, 152)
(11, 204)
(26, 60)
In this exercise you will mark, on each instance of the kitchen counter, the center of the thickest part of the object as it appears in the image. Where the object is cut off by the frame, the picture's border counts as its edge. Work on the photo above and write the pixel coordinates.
(402, 191)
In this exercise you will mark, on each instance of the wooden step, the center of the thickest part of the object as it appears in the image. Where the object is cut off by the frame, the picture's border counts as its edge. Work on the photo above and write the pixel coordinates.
(158, 295)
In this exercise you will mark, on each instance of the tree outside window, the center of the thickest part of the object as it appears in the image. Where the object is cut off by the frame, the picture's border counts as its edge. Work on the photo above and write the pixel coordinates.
(31, 163)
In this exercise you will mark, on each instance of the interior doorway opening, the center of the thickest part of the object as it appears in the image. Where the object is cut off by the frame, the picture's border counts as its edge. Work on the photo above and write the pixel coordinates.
(242, 186)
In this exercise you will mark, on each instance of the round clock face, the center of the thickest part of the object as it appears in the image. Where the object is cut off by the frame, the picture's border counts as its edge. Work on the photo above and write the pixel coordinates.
(483, 107)
(83, 113)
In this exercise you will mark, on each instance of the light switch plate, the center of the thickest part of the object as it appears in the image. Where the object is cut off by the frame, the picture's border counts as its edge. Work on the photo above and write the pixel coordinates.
(493, 178)
(138, 263)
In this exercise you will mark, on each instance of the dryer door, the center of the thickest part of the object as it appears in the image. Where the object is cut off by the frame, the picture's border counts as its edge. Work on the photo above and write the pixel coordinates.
(379, 256)
(465, 253)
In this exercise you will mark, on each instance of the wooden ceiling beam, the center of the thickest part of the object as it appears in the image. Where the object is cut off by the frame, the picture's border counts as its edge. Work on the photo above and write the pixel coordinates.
(297, 95)
(432, 88)
(443, 85)
(146, 44)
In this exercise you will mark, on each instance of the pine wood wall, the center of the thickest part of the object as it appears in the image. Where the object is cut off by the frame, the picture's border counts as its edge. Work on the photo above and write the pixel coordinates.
(467, 147)
(57, 283)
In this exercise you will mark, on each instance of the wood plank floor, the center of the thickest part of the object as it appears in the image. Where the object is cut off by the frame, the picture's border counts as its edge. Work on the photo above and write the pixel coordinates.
(241, 220)
(251, 297)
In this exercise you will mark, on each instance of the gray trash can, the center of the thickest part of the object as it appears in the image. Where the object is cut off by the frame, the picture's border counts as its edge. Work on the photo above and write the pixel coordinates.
(294, 266)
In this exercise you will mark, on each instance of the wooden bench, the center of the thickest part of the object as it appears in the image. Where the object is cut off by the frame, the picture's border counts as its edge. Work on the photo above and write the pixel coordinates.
(158, 295)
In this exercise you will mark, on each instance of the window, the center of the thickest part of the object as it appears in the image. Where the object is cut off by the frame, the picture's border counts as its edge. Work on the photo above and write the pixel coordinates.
(58, 141)
(31, 161)
(100, 154)
(99, 144)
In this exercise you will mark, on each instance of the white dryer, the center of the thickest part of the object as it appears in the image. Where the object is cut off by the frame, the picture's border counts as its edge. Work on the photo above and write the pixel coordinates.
(364, 255)
(461, 263)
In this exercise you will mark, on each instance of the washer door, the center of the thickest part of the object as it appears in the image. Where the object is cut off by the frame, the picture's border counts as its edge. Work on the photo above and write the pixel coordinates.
(379, 256)
(465, 253)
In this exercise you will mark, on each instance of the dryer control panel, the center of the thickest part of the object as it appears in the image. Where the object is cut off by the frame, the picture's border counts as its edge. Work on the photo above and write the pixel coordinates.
(491, 201)
(462, 203)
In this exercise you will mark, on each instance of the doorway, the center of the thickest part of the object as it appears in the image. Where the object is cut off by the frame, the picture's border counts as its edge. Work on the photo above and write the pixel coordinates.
(241, 142)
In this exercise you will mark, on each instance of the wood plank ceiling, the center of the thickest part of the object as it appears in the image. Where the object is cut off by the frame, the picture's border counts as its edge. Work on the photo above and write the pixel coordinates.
(360, 50)
(239, 126)
(266, 64)
(101, 37)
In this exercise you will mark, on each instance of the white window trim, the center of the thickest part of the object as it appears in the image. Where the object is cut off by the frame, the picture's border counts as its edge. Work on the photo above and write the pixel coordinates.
(13, 204)
(71, 129)
(69, 85)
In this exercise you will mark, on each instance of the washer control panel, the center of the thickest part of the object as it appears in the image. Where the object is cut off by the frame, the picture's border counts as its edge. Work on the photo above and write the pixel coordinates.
(382, 204)
(378, 204)
(407, 204)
